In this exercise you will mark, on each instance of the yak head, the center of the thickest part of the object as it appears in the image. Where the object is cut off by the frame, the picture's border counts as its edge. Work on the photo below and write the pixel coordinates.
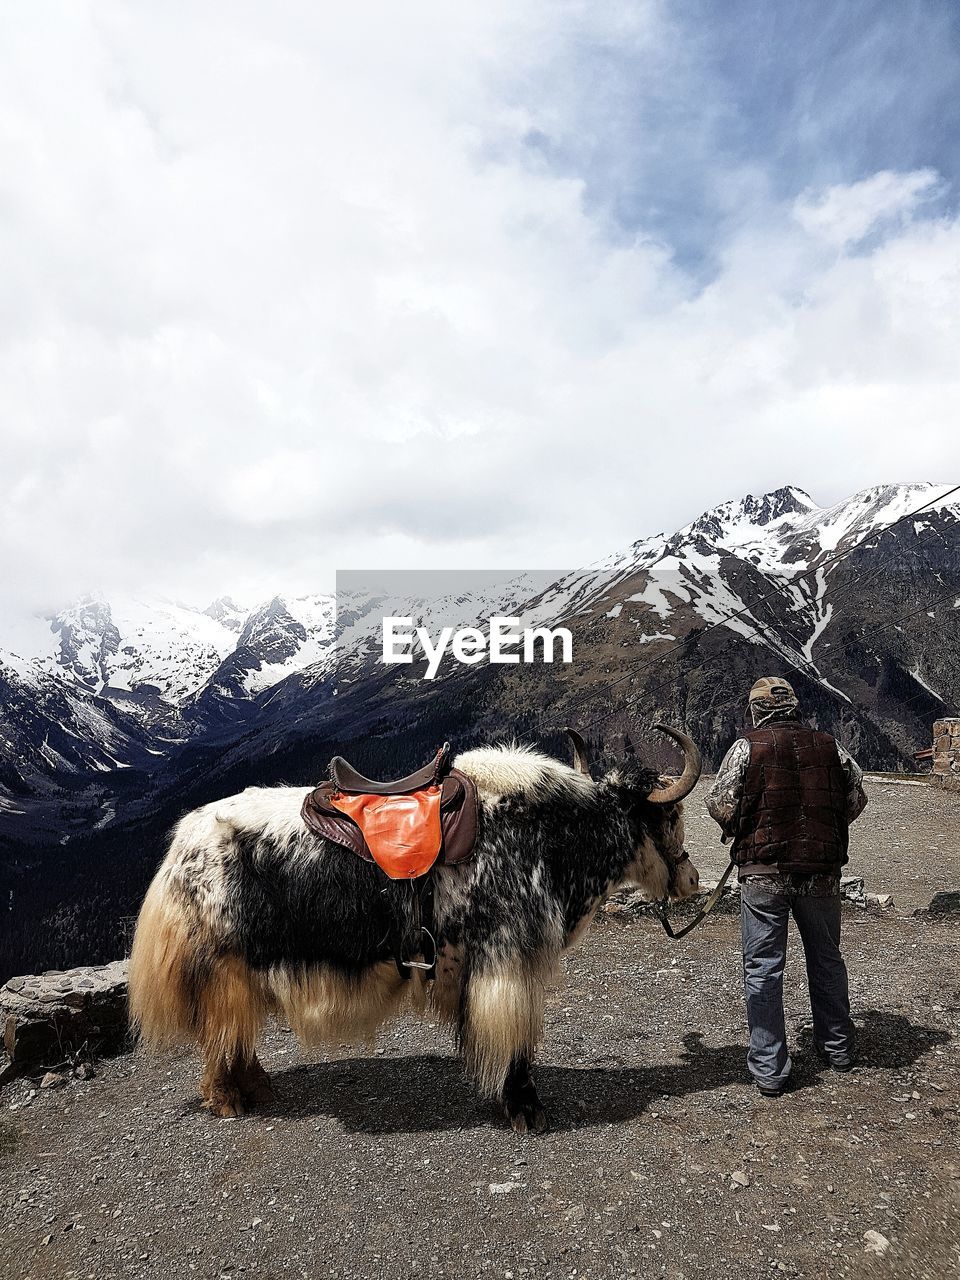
(653, 808)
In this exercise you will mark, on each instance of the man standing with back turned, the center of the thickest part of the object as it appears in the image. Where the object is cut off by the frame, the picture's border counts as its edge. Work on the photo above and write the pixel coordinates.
(785, 795)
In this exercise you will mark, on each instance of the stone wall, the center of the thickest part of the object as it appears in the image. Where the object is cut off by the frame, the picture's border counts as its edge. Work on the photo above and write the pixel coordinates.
(946, 753)
(51, 1018)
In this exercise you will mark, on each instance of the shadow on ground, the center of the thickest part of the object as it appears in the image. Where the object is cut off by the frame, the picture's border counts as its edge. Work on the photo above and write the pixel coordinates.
(428, 1093)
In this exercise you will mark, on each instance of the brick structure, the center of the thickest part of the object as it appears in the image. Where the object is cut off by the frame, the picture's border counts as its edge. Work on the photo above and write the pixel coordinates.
(946, 752)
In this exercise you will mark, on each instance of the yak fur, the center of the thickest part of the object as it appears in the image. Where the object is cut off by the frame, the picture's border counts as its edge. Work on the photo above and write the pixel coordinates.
(251, 914)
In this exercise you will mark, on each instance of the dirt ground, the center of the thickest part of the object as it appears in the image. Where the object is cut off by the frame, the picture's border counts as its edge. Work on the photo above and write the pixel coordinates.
(906, 842)
(661, 1159)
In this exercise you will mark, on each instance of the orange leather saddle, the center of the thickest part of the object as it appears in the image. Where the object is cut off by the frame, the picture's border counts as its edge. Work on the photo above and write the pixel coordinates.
(406, 826)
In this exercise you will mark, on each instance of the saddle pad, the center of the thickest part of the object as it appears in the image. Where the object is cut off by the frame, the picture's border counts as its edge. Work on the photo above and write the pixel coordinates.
(403, 833)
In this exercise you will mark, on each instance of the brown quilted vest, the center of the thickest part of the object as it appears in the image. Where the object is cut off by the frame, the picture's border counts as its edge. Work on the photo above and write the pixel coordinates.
(794, 807)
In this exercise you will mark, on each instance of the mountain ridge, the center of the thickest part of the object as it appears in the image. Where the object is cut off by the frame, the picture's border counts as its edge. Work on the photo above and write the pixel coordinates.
(172, 680)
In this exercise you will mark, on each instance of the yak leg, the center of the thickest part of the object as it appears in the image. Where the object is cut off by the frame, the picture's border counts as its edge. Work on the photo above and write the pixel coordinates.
(252, 1081)
(231, 1086)
(220, 1092)
(501, 1024)
(521, 1101)
(233, 1008)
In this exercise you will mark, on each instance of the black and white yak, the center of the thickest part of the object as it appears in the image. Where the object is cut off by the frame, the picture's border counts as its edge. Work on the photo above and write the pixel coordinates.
(251, 914)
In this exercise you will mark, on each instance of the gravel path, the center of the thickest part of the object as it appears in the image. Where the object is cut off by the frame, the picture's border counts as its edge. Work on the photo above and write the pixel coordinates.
(661, 1160)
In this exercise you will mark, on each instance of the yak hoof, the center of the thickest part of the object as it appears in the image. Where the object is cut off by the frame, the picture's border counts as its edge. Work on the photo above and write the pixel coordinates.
(521, 1101)
(231, 1093)
(254, 1085)
(225, 1106)
(527, 1116)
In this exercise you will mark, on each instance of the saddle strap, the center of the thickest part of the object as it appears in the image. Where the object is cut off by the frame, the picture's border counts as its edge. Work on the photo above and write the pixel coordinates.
(424, 931)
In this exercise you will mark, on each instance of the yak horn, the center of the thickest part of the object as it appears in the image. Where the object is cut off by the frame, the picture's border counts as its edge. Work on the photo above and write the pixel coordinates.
(581, 761)
(692, 768)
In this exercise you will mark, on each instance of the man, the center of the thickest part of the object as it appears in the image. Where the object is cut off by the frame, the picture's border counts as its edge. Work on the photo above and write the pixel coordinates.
(785, 795)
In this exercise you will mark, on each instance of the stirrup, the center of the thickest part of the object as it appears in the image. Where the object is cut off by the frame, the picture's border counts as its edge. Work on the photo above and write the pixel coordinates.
(422, 964)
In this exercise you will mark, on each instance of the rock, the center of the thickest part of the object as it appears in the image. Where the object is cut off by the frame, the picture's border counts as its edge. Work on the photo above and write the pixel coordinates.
(883, 901)
(48, 1017)
(52, 1081)
(946, 753)
(851, 889)
(631, 902)
(740, 1179)
(944, 904)
(874, 1242)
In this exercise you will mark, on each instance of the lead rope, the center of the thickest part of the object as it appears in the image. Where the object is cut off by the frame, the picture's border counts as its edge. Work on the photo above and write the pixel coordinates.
(701, 915)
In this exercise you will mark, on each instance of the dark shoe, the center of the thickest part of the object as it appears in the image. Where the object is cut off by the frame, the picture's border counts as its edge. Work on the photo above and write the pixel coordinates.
(838, 1063)
(771, 1090)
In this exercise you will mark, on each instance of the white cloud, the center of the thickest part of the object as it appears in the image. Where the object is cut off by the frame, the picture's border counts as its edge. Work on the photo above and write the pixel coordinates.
(286, 290)
(845, 214)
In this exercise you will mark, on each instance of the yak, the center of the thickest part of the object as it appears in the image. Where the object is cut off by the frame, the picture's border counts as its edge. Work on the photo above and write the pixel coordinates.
(252, 914)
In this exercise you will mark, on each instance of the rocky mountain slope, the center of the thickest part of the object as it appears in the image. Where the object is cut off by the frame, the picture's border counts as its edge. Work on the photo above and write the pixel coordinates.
(47, 726)
(115, 726)
(674, 626)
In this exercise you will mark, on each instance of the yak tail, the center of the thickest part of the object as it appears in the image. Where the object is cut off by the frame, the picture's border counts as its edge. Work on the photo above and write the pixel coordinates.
(183, 989)
(166, 971)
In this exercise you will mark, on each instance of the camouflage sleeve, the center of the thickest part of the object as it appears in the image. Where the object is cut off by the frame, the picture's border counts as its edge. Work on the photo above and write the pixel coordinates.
(856, 796)
(724, 796)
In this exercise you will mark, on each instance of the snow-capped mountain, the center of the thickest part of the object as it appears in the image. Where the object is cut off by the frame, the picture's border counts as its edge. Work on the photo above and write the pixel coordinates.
(55, 740)
(226, 612)
(129, 644)
(768, 560)
(277, 639)
(675, 625)
(361, 608)
(171, 652)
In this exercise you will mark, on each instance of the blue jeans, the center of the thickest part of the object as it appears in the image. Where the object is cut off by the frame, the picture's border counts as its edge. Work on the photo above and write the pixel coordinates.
(764, 915)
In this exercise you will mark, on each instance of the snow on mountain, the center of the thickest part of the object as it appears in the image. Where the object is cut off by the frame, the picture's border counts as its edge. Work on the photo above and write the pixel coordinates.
(759, 558)
(733, 558)
(142, 645)
(361, 610)
(714, 566)
(164, 645)
(125, 645)
(278, 639)
(284, 636)
(654, 639)
(765, 559)
(750, 521)
(48, 728)
(230, 615)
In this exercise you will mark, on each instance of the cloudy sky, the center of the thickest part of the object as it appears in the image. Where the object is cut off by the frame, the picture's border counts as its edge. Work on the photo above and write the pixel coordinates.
(302, 286)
